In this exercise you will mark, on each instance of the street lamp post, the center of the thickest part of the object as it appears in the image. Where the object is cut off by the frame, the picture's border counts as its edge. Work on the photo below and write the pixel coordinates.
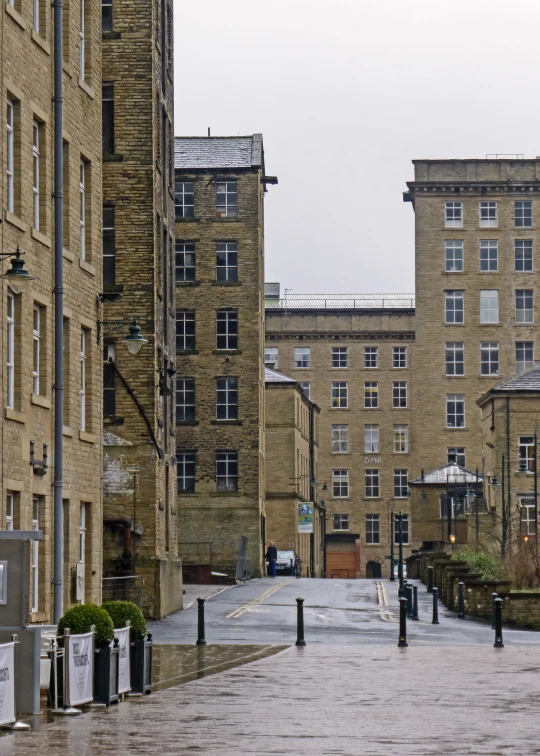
(400, 565)
(535, 495)
(392, 576)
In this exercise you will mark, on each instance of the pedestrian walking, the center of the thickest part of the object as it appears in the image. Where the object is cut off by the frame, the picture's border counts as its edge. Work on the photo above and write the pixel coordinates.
(271, 558)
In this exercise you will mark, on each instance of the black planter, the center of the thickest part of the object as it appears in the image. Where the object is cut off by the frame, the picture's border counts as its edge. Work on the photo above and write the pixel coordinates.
(140, 662)
(106, 674)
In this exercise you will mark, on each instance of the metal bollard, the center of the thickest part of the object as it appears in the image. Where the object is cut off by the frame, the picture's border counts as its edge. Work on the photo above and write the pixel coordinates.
(300, 641)
(461, 600)
(200, 623)
(402, 642)
(493, 597)
(415, 604)
(498, 623)
(409, 597)
(429, 580)
(435, 620)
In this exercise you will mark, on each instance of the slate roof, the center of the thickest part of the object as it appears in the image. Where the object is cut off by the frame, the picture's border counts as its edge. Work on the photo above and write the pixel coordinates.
(218, 152)
(272, 376)
(528, 381)
(449, 473)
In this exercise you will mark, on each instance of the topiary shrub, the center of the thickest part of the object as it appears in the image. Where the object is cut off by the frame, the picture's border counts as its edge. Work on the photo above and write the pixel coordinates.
(122, 611)
(79, 619)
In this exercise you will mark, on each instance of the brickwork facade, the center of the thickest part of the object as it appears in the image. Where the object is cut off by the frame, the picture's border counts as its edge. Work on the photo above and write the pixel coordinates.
(220, 331)
(363, 361)
(138, 236)
(27, 337)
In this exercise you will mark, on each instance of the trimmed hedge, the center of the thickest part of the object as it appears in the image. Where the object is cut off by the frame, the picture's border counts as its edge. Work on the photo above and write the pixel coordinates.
(79, 619)
(122, 611)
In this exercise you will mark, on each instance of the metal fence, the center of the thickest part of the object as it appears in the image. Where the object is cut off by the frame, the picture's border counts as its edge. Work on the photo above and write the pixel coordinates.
(125, 588)
(341, 302)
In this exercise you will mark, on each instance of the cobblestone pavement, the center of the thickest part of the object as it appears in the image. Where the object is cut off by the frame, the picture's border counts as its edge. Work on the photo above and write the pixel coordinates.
(369, 700)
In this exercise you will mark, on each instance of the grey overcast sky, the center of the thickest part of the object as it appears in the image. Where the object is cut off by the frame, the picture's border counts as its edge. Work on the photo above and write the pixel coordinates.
(346, 93)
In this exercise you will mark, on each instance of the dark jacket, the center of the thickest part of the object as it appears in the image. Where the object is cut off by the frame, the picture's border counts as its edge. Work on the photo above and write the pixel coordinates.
(271, 554)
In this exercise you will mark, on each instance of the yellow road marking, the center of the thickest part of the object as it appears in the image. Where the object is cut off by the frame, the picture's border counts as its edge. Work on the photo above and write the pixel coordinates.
(258, 600)
(382, 600)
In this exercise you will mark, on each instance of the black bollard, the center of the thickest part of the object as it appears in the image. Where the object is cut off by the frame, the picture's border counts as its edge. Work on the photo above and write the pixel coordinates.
(461, 600)
(430, 579)
(435, 620)
(200, 624)
(498, 623)
(493, 597)
(300, 641)
(409, 597)
(415, 604)
(402, 642)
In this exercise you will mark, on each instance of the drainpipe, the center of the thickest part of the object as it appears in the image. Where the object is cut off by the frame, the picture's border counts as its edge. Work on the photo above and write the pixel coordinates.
(58, 194)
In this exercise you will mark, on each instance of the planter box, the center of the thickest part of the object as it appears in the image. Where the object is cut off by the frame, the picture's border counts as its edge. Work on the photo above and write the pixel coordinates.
(141, 665)
(106, 674)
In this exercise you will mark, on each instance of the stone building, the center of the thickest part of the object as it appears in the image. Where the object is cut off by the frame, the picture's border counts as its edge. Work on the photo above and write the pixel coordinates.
(27, 335)
(140, 518)
(353, 357)
(220, 185)
(291, 467)
(510, 418)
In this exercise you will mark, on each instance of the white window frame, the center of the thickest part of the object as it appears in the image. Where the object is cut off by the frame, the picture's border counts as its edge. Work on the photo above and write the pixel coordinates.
(489, 358)
(36, 127)
(185, 399)
(401, 439)
(372, 483)
(524, 364)
(82, 533)
(185, 471)
(82, 209)
(340, 358)
(453, 214)
(371, 394)
(453, 402)
(10, 358)
(527, 524)
(306, 388)
(453, 351)
(453, 256)
(34, 557)
(371, 439)
(229, 189)
(180, 195)
(489, 256)
(526, 451)
(82, 390)
(340, 484)
(522, 216)
(399, 395)
(524, 314)
(10, 509)
(227, 397)
(340, 395)
(10, 154)
(271, 356)
(185, 265)
(82, 41)
(371, 358)
(489, 306)
(230, 460)
(488, 214)
(373, 534)
(302, 358)
(454, 307)
(230, 269)
(230, 337)
(340, 439)
(185, 318)
(401, 474)
(453, 453)
(342, 521)
(36, 353)
(523, 255)
(399, 358)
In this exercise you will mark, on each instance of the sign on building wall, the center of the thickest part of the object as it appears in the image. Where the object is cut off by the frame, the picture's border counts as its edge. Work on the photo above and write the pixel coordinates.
(7, 683)
(124, 681)
(305, 517)
(80, 668)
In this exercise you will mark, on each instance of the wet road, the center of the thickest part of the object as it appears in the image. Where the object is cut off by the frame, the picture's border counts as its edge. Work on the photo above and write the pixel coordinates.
(335, 611)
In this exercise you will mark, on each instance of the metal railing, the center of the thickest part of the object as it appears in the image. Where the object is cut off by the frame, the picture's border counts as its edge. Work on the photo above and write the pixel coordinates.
(341, 302)
(125, 588)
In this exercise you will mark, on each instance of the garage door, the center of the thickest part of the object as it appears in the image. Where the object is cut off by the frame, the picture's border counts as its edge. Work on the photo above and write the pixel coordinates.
(340, 564)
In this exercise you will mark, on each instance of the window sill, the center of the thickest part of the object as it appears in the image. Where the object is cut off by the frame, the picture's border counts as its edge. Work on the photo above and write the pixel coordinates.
(224, 219)
(226, 422)
(111, 35)
(493, 376)
(224, 493)
(187, 284)
(376, 544)
(112, 158)
(187, 220)
(17, 417)
(225, 283)
(89, 438)
(449, 428)
(340, 409)
(490, 325)
(227, 351)
(40, 401)
(40, 42)
(15, 16)
(87, 267)
(90, 91)
(41, 238)
(11, 217)
(522, 325)
(68, 255)
(192, 423)
(66, 431)
(186, 352)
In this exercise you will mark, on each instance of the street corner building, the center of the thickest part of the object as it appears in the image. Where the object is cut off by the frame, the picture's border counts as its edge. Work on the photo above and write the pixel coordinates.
(28, 310)
(140, 530)
(220, 184)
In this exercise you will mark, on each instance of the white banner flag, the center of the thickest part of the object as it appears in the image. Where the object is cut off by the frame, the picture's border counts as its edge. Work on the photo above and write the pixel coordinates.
(7, 683)
(80, 669)
(124, 679)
